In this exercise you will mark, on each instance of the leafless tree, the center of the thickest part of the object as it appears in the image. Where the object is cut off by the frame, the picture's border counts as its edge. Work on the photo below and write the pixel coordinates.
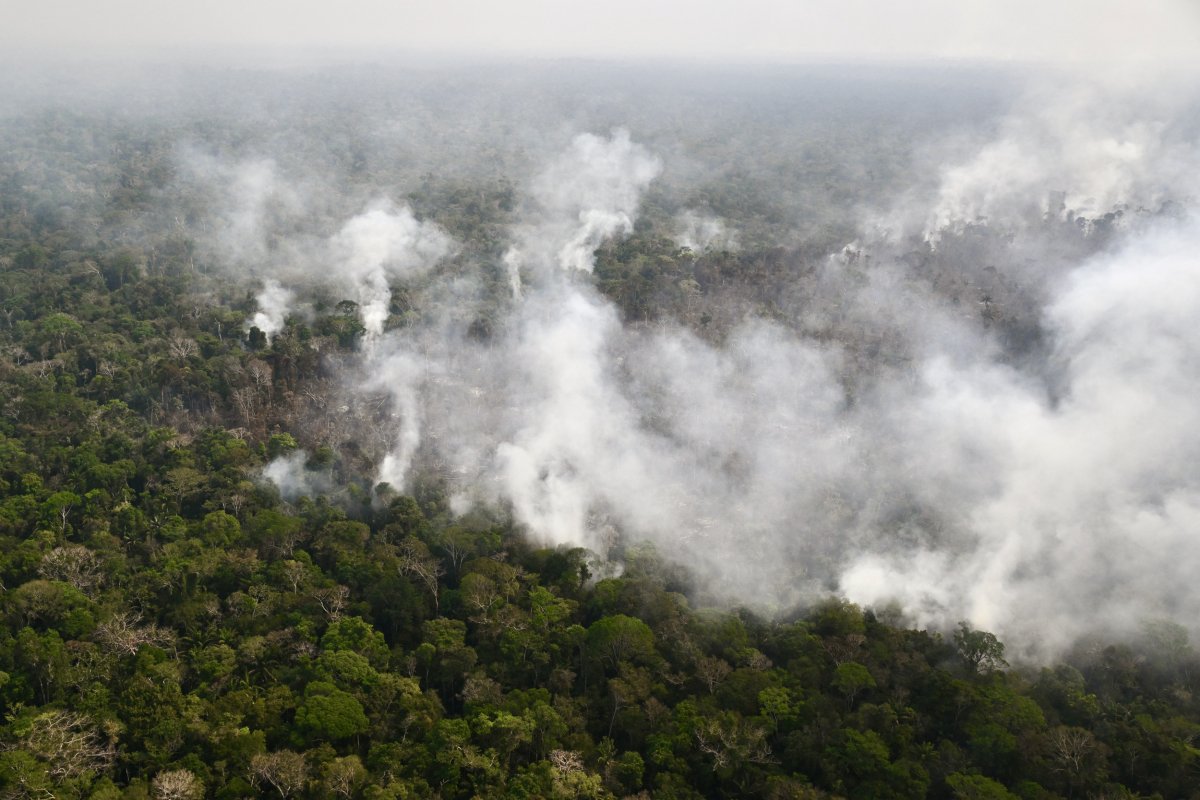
(18, 355)
(566, 760)
(123, 633)
(333, 600)
(1070, 748)
(73, 564)
(733, 741)
(70, 744)
(344, 775)
(712, 671)
(843, 648)
(181, 347)
(284, 771)
(263, 377)
(416, 560)
(481, 595)
(177, 784)
(296, 574)
(244, 399)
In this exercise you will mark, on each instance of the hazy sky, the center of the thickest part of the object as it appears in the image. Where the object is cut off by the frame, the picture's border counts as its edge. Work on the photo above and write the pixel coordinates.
(752, 30)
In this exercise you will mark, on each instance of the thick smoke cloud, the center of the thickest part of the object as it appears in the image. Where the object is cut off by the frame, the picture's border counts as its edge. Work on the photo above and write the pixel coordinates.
(1080, 152)
(878, 438)
(1079, 512)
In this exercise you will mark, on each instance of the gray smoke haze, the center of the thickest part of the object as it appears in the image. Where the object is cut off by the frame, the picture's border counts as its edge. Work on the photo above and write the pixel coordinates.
(700, 232)
(959, 486)
(1067, 30)
(978, 402)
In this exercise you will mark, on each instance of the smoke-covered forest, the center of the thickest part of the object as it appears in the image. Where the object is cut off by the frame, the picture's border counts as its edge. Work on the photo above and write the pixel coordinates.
(576, 429)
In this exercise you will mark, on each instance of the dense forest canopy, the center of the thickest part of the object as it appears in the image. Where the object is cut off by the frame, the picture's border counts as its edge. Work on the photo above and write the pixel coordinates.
(597, 431)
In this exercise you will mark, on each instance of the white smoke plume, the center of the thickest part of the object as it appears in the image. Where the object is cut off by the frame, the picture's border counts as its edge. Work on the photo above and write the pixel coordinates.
(1077, 153)
(383, 243)
(290, 475)
(274, 304)
(585, 196)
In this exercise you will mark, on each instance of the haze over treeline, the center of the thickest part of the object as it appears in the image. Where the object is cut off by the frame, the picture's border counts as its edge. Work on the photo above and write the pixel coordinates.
(898, 333)
(895, 332)
(465, 399)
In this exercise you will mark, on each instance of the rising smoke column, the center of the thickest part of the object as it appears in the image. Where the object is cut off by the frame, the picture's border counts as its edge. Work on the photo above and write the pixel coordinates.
(381, 244)
(274, 303)
(586, 195)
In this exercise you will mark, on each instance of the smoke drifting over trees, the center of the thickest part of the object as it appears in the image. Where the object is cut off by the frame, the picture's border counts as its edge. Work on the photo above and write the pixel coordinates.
(891, 336)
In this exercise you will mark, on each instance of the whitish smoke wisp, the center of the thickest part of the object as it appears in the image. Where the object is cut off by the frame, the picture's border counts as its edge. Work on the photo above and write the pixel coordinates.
(274, 303)
(590, 193)
(383, 243)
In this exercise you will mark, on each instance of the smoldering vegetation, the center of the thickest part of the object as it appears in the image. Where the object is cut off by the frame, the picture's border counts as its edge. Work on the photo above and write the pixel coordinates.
(907, 338)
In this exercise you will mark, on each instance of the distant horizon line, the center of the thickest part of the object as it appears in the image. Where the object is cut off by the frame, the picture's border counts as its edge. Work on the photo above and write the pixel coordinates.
(284, 56)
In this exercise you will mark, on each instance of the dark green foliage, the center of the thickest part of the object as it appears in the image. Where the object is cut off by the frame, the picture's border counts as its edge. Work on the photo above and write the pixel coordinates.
(329, 713)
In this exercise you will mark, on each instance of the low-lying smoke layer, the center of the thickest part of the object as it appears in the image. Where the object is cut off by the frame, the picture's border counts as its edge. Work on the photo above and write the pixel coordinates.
(881, 443)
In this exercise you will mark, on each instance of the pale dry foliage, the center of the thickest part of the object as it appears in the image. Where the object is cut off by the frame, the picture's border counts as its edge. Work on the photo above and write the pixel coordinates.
(73, 564)
(124, 634)
(284, 771)
(177, 784)
(70, 744)
(566, 760)
(416, 560)
(733, 741)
